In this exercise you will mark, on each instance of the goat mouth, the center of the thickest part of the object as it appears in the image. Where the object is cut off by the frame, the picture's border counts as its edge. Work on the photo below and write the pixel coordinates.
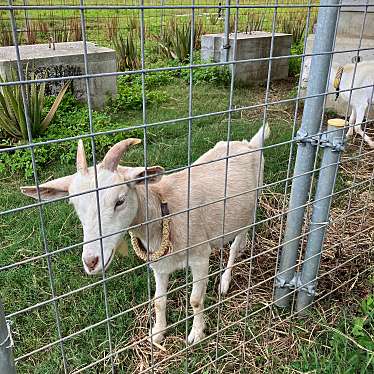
(109, 260)
(106, 266)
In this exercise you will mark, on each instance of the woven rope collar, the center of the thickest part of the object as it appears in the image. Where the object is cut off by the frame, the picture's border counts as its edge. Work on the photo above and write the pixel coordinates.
(337, 80)
(166, 245)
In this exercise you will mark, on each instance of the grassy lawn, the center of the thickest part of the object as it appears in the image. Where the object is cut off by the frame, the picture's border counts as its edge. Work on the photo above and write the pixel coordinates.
(26, 285)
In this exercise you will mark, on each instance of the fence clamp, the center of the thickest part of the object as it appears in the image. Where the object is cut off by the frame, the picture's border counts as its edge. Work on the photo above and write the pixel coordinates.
(295, 284)
(8, 337)
(338, 144)
(226, 46)
(322, 141)
(310, 289)
(282, 282)
(302, 137)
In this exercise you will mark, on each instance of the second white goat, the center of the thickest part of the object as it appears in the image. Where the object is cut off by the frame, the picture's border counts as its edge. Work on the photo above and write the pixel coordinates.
(127, 204)
(361, 98)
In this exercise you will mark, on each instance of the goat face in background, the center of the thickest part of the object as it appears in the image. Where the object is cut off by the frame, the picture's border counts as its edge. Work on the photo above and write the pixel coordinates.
(116, 196)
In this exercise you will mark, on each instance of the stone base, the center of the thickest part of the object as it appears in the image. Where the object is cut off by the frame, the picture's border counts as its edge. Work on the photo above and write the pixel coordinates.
(250, 46)
(67, 60)
(342, 44)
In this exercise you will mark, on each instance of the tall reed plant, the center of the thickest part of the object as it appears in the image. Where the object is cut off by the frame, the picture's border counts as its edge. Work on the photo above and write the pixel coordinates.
(12, 108)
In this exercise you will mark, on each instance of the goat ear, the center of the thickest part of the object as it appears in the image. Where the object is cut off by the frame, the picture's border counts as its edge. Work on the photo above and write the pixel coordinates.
(154, 174)
(50, 190)
(81, 158)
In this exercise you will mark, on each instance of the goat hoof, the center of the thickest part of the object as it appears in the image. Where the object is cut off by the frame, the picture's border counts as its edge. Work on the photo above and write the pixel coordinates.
(157, 337)
(195, 336)
(225, 283)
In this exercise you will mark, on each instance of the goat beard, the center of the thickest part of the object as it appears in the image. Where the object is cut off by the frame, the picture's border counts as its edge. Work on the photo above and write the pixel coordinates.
(122, 248)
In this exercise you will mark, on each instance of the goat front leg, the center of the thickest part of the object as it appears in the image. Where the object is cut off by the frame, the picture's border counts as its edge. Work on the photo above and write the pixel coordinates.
(158, 330)
(200, 272)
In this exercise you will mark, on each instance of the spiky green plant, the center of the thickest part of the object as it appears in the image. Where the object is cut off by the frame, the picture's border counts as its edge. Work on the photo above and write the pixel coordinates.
(75, 29)
(31, 34)
(112, 28)
(293, 23)
(133, 24)
(66, 31)
(255, 22)
(128, 56)
(5, 34)
(12, 109)
(213, 19)
(175, 43)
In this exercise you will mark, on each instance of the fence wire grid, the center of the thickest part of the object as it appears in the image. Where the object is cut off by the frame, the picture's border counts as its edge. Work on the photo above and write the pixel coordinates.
(307, 248)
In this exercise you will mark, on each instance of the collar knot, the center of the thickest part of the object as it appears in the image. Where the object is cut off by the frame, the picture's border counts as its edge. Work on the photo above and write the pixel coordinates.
(165, 246)
(337, 80)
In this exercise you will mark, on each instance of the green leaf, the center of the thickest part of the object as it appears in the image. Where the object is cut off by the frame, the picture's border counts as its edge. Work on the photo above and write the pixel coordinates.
(47, 120)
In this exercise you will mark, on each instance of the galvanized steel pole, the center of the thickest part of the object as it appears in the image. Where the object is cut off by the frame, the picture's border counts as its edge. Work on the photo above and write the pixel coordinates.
(6, 355)
(226, 39)
(319, 70)
(321, 207)
(162, 19)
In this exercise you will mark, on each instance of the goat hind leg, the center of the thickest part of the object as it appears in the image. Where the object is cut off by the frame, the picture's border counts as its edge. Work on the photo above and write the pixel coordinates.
(360, 118)
(352, 121)
(235, 249)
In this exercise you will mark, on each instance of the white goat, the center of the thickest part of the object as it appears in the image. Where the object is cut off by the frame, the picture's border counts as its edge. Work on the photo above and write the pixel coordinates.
(124, 205)
(361, 98)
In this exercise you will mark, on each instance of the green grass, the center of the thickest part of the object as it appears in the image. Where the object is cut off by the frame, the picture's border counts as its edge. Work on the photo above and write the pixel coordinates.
(346, 349)
(21, 238)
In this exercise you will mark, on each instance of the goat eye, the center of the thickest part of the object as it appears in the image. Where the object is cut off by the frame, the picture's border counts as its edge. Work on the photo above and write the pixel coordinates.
(119, 203)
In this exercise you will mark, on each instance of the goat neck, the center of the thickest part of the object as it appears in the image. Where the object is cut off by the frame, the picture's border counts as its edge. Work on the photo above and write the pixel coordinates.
(154, 212)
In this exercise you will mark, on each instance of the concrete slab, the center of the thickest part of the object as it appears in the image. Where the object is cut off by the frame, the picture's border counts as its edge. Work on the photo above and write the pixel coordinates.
(65, 60)
(250, 46)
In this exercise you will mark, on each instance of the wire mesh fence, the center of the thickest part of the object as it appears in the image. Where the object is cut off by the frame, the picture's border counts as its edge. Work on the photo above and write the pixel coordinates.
(225, 232)
(106, 25)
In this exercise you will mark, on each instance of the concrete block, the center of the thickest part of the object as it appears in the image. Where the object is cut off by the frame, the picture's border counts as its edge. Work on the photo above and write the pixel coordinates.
(350, 24)
(351, 19)
(67, 59)
(250, 46)
(342, 44)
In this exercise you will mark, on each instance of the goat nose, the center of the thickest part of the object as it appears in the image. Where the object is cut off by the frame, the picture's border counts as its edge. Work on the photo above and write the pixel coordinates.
(91, 262)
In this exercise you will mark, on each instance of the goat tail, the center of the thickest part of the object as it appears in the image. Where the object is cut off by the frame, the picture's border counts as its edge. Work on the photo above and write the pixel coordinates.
(258, 140)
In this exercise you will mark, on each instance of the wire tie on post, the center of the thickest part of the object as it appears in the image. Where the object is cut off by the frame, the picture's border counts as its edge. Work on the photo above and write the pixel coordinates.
(320, 223)
(9, 336)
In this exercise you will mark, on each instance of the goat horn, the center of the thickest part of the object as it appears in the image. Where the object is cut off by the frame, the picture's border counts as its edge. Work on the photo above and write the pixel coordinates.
(81, 158)
(113, 156)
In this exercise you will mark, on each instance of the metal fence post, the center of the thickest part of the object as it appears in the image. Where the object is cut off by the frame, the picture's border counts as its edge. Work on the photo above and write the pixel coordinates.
(326, 181)
(311, 120)
(26, 13)
(162, 19)
(6, 356)
(226, 42)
